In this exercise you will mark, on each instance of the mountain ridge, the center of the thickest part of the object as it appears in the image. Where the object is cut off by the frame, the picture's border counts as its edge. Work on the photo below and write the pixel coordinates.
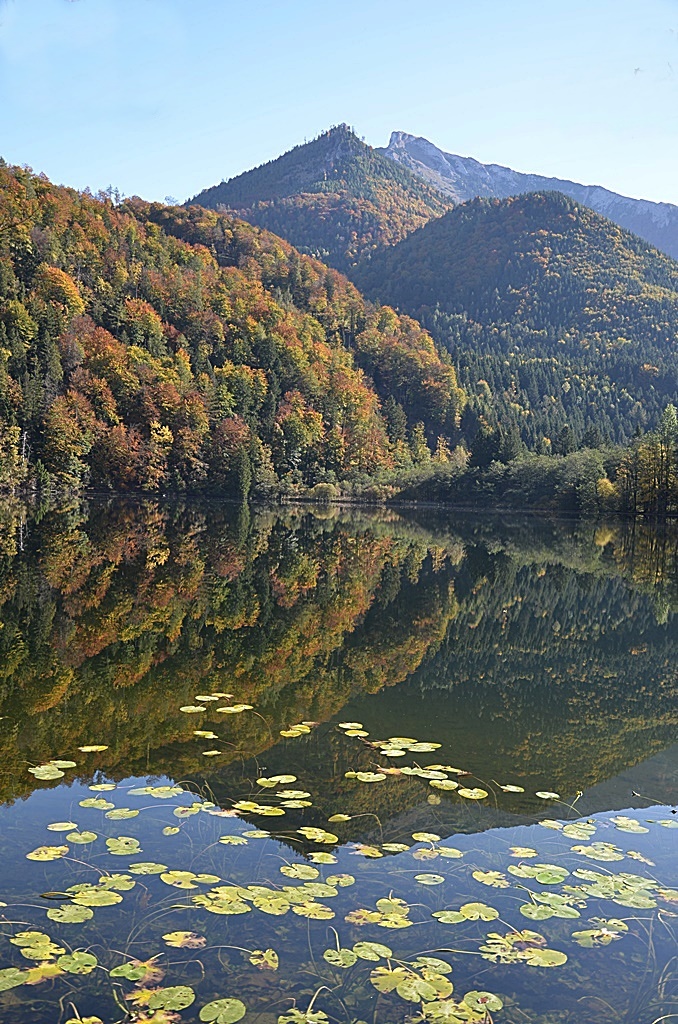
(335, 198)
(463, 178)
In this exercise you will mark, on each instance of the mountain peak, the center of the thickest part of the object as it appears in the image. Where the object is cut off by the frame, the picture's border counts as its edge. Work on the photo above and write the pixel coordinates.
(462, 178)
(334, 197)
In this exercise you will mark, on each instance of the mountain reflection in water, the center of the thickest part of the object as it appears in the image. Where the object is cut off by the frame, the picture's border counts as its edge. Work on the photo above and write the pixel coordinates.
(538, 655)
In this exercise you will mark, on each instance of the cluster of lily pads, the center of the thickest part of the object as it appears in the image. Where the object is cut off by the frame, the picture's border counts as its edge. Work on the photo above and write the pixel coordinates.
(545, 890)
(437, 775)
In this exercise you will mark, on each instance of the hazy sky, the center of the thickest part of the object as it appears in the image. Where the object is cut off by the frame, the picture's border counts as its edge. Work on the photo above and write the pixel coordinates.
(165, 97)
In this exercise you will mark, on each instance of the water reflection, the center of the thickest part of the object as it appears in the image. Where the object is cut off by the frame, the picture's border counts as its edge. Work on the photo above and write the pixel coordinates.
(539, 656)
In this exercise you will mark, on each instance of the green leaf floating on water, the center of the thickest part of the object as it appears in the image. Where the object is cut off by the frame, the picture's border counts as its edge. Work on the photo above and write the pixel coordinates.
(47, 772)
(146, 867)
(432, 963)
(47, 853)
(11, 977)
(85, 895)
(184, 940)
(483, 1002)
(320, 857)
(537, 912)
(372, 951)
(81, 838)
(120, 813)
(123, 846)
(98, 803)
(264, 959)
(157, 792)
(317, 835)
(314, 911)
(132, 971)
(429, 879)
(62, 826)
(70, 913)
(603, 934)
(223, 1011)
(77, 963)
(369, 776)
(467, 912)
(187, 879)
(340, 957)
(116, 881)
(626, 824)
(406, 983)
(545, 958)
(494, 878)
(176, 997)
(304, 871)
(599, 851)
(473, 794)
(449, 1012)
(547, 874)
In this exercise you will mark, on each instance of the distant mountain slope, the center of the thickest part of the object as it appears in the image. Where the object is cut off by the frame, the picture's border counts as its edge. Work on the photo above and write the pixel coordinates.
(334, 197)
(556, 316)
(462, 178)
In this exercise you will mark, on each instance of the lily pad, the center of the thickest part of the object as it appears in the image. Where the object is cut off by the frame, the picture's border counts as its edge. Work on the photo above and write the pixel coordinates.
(340, 957)
(146, 867)
(81, 838)
(70, 913)
(47, 853)
(184, 940)
(11, 977)
(372, 951)
(494, 878)
(264, 959)
(302, 871)
(223, 1011)
(123, 846)
(176, 997)
(483, 1002)
(77, 963)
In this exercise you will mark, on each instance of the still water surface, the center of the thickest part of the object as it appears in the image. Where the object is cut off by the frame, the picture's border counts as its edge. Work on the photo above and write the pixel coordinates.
(353, 767)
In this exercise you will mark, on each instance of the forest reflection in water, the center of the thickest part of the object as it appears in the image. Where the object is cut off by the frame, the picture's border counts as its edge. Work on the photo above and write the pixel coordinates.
(534, 652)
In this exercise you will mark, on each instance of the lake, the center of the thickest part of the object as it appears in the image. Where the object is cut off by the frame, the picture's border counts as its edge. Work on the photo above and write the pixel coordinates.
(321, 764)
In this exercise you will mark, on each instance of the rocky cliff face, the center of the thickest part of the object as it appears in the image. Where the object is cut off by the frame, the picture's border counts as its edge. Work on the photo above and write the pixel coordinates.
(463, 178)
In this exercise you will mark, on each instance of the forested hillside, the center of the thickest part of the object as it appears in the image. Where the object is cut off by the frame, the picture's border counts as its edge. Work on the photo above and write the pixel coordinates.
(562, 326)
(159, 348)
(334, 197)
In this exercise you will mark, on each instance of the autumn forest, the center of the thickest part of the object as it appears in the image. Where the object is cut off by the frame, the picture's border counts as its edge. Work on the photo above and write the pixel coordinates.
(510, 352)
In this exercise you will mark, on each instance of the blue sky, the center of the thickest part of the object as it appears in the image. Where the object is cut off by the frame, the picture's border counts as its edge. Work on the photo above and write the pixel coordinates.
(165, 97)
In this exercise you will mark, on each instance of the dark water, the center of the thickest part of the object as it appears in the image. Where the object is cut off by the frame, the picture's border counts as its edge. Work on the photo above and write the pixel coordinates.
(520, 653)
